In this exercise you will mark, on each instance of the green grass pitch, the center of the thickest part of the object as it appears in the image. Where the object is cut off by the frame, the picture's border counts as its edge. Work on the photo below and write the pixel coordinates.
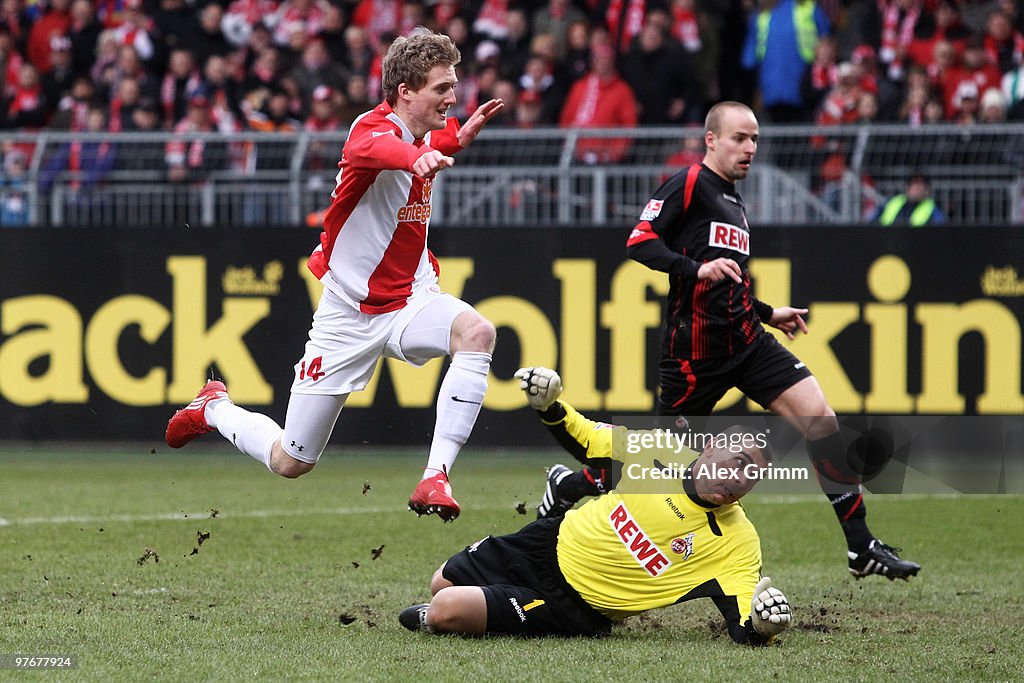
(303, 580)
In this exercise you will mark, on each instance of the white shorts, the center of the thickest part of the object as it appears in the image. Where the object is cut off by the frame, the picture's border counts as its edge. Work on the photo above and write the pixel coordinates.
(341, 354)
(345, 344)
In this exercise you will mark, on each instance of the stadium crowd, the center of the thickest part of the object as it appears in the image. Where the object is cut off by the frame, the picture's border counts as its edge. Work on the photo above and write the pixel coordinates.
(286, 65)
(315, 64)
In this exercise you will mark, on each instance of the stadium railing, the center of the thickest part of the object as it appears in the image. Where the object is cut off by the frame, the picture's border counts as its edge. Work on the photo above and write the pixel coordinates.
(538, 177)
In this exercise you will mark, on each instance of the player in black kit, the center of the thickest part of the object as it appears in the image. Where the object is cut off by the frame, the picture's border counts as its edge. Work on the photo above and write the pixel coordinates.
(695, 229)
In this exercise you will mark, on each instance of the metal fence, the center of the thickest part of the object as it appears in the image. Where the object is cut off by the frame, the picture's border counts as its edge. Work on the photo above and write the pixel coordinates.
(537, 177)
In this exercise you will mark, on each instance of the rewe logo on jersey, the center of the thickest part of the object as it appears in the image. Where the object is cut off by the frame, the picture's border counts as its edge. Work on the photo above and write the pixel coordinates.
(637, 542)
(729, 236)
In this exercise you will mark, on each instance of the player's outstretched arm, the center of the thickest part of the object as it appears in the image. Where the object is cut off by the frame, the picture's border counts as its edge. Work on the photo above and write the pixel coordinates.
(430, 163)
(790, 320)
(769, 609)
(543, 386)
(475, 123)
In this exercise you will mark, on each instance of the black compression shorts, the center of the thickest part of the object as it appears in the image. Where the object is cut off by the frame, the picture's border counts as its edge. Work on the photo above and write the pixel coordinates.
(762, 372)
(525, 591)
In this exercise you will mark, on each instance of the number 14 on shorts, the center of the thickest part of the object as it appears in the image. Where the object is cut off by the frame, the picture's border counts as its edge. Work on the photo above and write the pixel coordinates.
(313, 370)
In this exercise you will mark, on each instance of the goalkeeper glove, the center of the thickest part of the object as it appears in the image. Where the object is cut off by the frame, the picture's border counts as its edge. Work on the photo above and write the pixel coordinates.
(769, 609)
(543, 386)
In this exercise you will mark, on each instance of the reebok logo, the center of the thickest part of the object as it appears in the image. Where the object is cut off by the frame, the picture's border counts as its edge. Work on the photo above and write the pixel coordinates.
(462, 400)
(519, 610)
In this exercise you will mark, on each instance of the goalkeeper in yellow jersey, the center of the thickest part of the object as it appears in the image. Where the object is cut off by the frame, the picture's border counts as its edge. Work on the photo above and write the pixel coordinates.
(671, 531)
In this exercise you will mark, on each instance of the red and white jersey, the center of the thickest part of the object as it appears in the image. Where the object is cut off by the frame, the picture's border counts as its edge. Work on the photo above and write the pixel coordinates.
(373, 250)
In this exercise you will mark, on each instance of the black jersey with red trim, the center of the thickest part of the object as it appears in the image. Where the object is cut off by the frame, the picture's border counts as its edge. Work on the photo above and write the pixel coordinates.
(697, 216)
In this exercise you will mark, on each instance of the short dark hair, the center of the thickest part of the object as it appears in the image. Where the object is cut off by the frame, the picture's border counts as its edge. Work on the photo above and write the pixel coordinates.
(713, 121)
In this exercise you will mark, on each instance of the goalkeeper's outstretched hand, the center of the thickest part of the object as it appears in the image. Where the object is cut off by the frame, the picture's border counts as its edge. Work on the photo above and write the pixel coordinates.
(769, 609)
(543, 386)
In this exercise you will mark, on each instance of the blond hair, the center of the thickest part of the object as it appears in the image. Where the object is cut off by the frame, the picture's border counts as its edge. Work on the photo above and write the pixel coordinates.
(410, 59)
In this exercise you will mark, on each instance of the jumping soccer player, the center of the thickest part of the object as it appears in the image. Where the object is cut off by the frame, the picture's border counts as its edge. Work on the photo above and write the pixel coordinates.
(381, 296)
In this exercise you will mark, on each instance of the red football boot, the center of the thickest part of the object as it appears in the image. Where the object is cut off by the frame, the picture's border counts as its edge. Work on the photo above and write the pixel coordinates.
(433, 495)
(190, 422)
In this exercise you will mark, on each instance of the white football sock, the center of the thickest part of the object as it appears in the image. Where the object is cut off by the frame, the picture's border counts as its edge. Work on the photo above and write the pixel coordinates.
(458, 405)
(252, 433)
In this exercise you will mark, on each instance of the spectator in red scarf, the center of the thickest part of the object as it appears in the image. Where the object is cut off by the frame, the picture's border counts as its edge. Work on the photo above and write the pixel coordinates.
(58, 78)
(378, 17)
(356, 100)
(601, 99)
(72, 109)
(25, 107)
(554, 19)
(918, 92)
(822, 75)
(209, 40)
(976, 67)
(359, 54)
(110, 12)
(321, 155)
(122, 105)
(841, 102)
(515, 47)
(10, 63)
(179, 84)
(189, 157)
(315, 68)
(129, 65)
(15, 22)
(413, 15)
(1003, 43)
(993, 106)
(136, 30)
(943, 23)
(332, 32)
(242, 15)
(491, 20)
(323, 111)
(899, 20)
(54, 23)
(624, 20)
(670, 98)
(221, 93)
(442, 11)
(540, 93)
(265, 72)
(176, 23)
(966, 104)
(887, 93)
(85, 164)
(944, 60)
(84, 31)
(695, 30)
(576, 62)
